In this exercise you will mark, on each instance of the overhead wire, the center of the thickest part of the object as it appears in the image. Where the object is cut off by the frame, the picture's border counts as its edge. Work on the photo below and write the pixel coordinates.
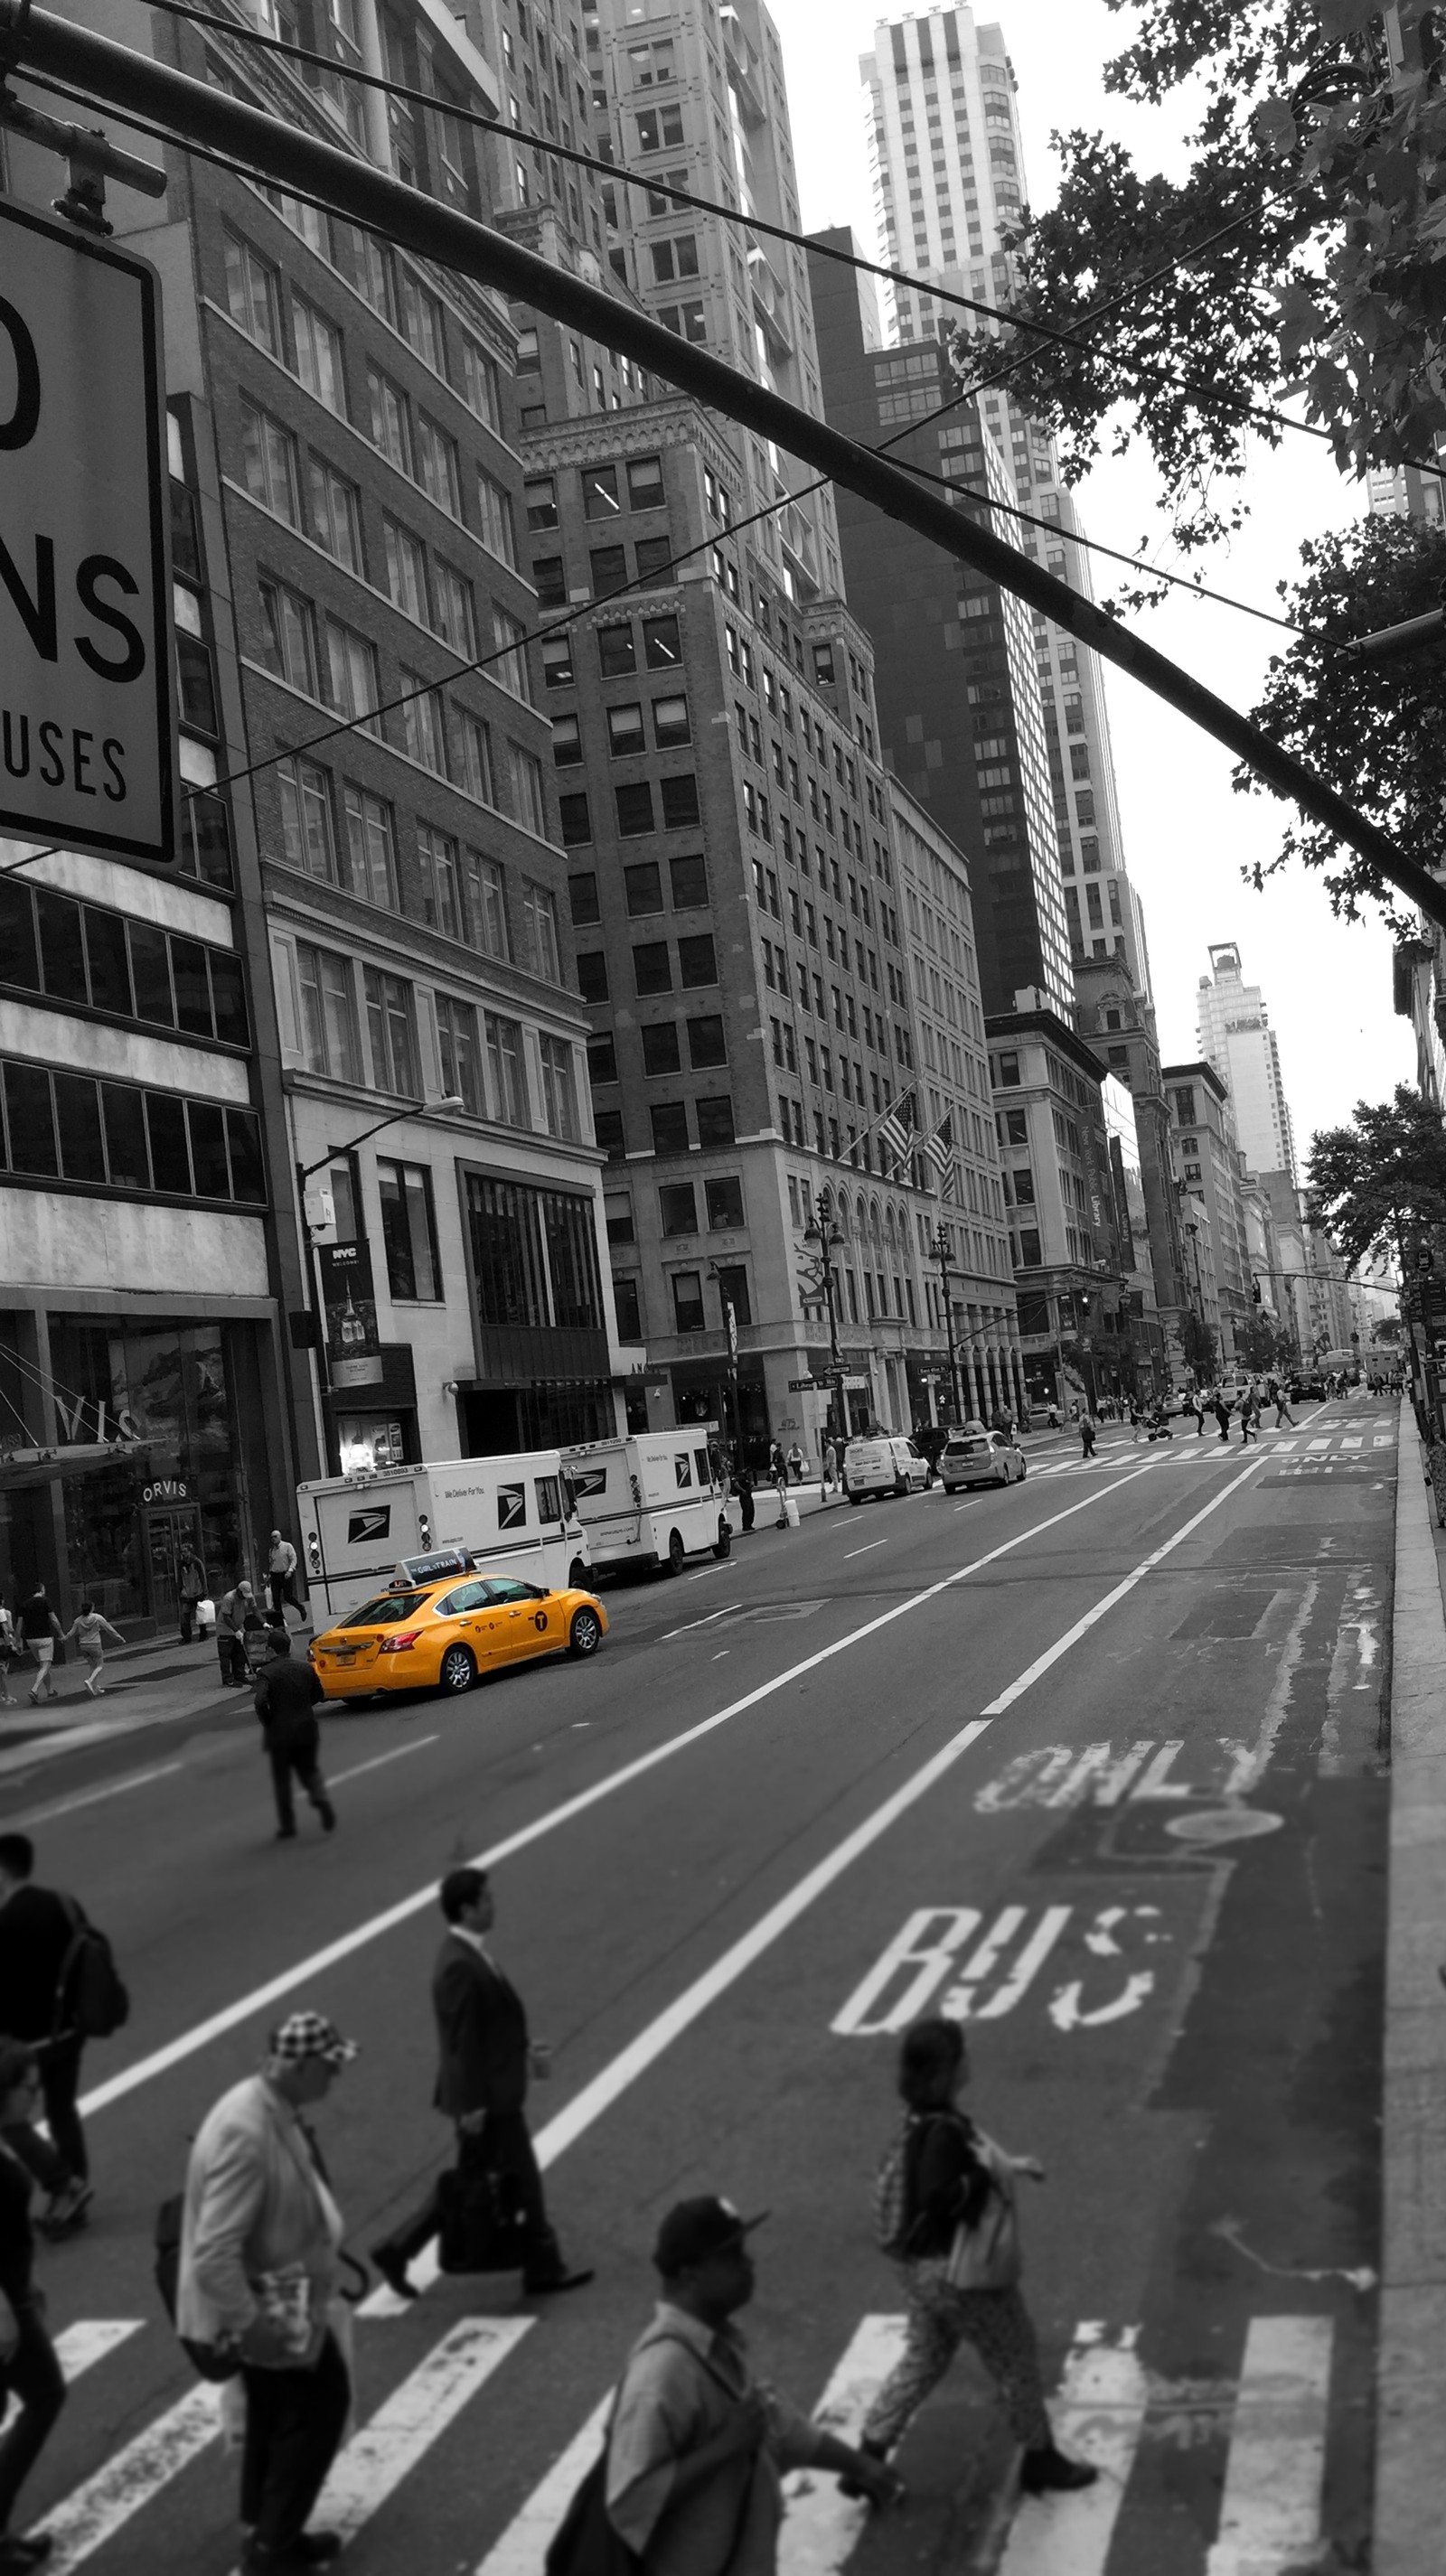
(612, 171)
(480, 663)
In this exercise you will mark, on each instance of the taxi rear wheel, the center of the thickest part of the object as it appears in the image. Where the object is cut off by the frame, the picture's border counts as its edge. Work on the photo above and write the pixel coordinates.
(585, 1635)
(458, 1670)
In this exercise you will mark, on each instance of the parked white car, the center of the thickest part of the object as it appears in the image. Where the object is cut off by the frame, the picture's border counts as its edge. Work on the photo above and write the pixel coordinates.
(980, 1458)
(889, 1465)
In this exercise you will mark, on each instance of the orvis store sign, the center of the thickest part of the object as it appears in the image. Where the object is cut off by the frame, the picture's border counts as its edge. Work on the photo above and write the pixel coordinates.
(87, 717)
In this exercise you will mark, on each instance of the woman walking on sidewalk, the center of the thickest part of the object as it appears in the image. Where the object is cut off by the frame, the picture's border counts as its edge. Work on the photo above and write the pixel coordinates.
(958, 2248)
(42, 1633)
(89, 1632)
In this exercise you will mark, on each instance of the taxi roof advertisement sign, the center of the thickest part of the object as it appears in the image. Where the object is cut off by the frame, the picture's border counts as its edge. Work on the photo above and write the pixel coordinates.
(87, 713)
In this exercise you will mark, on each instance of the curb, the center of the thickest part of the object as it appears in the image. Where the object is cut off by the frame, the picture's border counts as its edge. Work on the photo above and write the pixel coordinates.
(1411, 2352)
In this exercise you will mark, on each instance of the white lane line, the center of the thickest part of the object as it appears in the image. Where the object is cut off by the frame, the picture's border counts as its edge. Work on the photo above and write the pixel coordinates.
(415, 2415)
(93, 1797)
(822, 2529)
(691, 1624)
(524, 2544)
(1099, 2415)
(92, 2514)
(1270, 2510)
(1137, 1573)
(248, 2006)
(80, 2347)
(378, 1759)
(614, 2079)
(865, 1551)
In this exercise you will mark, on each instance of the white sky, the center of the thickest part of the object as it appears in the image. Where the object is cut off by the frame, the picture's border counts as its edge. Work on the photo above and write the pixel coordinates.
(1186, 833)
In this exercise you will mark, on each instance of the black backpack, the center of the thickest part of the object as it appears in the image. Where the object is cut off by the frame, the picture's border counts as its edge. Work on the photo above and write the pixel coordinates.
(90, 1999)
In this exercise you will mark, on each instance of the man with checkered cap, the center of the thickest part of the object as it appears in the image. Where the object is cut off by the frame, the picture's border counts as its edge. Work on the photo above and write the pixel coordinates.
(697, 2444)
(260, 2240)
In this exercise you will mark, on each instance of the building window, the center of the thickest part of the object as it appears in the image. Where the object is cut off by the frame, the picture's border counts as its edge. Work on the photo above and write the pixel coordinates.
(677, 1208)
(392, 1026)
(643, 886)
(592, 975)
(1030, 1255)
(715, 1120)
(625, 1303)
(559, 1090)
(406, 571)
(651, 970)
(494, 514)
(707, 1045)
(688, 1315)
(670, 1126)
(507, 1070)
(409, 1231)
(609, 569)
(318, 355)
(697, 962)
(566, 742)
(725, 1204)
(271, 462)
(635, 809)
(540, 494)
(371, 847)
(288, 637)
(441, 881)
(733, 1291)
(336, 514)
(574, 820)
(662, 648)
(306, 818)
(326, 1014)
(583, 900)
(539, 932)
(625, 731)
(645, 480)
(660, 1048)
(351, 668)
(1008, 1070)
(253, 294)
(529, 804)
(438, 469)
(670, 722)
(600, 492)
(424, 731)
(534, 1256)
(557, 671)
(616, 652)
(509, 666)
(457, 1046)
(452, 613)
(391, 421)
(689, 879)
(480, 383)
(602, 1068)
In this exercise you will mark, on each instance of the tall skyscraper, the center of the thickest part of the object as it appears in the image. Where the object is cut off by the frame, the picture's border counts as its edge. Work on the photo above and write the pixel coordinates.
(948, 171)
(1235, 1034)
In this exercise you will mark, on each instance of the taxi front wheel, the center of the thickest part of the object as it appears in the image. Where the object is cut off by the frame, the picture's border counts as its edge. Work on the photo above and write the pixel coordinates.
(585, 1635)
(459, 1670)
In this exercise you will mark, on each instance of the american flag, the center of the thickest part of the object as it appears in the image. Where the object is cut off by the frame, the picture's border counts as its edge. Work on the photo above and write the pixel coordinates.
(896, 1129)
(939, 1148)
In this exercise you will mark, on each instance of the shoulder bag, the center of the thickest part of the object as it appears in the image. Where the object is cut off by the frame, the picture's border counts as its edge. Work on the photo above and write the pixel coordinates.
(586, 2541)
(987, 2255)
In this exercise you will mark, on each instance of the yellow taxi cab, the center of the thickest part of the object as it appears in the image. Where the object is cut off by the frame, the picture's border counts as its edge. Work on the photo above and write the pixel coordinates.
(446, 1636)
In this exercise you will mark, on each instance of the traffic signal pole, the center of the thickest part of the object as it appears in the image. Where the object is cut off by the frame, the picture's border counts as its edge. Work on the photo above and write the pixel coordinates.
(194, 113)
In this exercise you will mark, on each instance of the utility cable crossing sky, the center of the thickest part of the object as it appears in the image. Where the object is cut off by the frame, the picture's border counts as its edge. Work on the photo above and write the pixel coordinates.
(127, 81)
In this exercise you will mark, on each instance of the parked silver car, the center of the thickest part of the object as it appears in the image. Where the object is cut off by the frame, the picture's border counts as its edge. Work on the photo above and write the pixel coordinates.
(980, 1458)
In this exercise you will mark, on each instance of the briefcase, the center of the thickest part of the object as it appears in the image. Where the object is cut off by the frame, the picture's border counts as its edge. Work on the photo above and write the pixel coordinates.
(483, 2228)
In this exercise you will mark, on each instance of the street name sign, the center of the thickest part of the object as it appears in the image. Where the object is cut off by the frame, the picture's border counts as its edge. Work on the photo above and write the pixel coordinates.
(87, 717)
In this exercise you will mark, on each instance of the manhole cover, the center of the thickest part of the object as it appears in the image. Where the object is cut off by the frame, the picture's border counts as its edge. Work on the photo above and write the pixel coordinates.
(1223, 1825)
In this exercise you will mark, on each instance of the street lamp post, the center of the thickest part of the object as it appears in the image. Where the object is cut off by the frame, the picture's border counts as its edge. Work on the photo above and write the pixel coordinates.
(940, 1247)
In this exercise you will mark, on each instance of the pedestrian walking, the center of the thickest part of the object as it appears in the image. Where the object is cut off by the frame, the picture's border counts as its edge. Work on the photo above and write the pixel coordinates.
(260, 2243)
(830, 1468)
(42, 1633)
(1221, 1411)
(1283, 1414)
(796, 1463)
(89, 1631)
(958, 2249)
(236, 1615)
(286, 1695)
(10, 1648)
(1088, 1432)
(1137, 1421)
(697, 2444)
(190, 1589)
(281, 1579)
(30, 2373)
(1249, 1418)
(37, 1932)
(487, 2061)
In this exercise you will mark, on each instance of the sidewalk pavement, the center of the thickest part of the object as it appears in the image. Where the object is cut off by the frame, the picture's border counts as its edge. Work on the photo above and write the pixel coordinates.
(1411, 2360)
(158, 1683)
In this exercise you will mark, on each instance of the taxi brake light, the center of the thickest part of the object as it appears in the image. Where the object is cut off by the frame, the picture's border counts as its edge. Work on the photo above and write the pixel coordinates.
(399, 1645)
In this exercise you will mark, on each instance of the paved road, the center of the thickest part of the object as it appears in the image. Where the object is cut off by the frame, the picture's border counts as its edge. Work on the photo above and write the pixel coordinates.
(1095, 1763)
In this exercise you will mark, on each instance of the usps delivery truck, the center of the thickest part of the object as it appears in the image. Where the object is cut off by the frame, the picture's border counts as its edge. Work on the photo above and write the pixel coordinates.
(359, 1533)
(651, 1499)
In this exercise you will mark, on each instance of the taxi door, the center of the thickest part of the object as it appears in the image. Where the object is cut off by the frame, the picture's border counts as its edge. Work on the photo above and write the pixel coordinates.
(522, 1621)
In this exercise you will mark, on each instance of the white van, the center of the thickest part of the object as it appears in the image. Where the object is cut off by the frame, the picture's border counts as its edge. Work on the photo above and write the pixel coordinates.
(888, 1465)
(651, 1499)
(512, 1515)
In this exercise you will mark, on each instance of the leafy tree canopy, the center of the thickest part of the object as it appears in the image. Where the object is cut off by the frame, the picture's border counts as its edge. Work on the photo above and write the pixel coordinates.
(1320, 166)
(1197, 1342)
(1372, 728)
(1380, 1181)
(1263, 1344)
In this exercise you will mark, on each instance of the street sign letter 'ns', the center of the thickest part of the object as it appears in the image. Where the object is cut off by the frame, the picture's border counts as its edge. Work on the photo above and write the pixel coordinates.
(87, 727)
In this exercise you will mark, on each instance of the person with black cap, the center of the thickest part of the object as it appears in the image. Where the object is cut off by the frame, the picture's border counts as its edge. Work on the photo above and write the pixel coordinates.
(260, 2242)
(697, 2444)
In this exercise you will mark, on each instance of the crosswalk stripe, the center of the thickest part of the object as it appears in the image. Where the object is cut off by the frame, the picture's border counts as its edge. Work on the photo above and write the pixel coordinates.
(415, 2415)
(822, 2526)
(94, 2512)
(1270, 2510)
(1100, 2413)
(1317, 1444)
(80, 2347)
(523, 2545)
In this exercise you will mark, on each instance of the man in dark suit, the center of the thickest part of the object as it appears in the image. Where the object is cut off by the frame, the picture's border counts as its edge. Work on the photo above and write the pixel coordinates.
(486, 2063)
(37, 1927)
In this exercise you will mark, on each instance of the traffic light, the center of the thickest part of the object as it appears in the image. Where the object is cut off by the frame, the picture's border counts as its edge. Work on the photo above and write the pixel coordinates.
(1255, 1292)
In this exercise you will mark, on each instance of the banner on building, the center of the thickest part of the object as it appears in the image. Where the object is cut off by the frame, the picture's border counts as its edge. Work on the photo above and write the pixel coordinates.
(353, 1346)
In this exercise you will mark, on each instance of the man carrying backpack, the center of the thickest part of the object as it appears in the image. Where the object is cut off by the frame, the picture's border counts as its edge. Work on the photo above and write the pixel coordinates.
(44, 1967)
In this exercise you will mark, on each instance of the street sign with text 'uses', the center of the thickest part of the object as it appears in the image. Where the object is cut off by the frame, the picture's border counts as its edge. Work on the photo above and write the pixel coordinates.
(87, 726)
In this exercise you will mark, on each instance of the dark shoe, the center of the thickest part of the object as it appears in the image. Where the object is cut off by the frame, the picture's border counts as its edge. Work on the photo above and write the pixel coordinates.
(19, 2551)
(313, 2549)
(286, 1833)
(327, 1814)
(393, 2269)
(67, 2211)
(872, 2450)
(551, 2281)
(1050, 2473)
